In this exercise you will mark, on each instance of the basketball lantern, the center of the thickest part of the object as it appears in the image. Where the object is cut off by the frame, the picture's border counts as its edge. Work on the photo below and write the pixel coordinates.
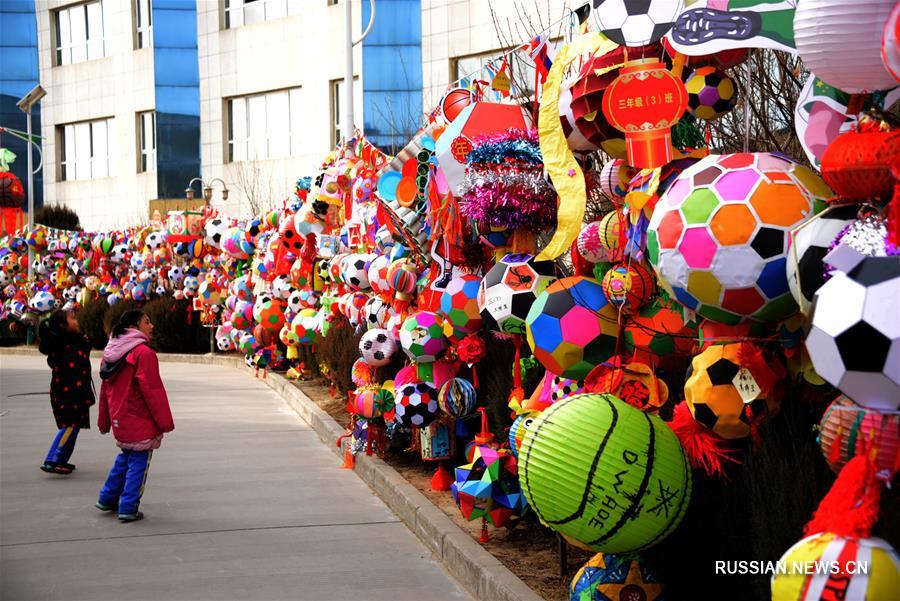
(847, 430)
(730, 389)
(854, 342)
(508, 290)
(607, 577)
(422, 337)
(415, 403)
(628, 286)
(711, 93)
(377, 347)
(571, 327)
(459, 305)
(719, 235)
(644, 101)
(596, 442)
(454, 102)
(880, 579)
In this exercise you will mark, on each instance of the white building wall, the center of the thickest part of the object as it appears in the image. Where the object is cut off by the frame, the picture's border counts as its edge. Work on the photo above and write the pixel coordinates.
(119, 85)
(305, 50)
(453, 29)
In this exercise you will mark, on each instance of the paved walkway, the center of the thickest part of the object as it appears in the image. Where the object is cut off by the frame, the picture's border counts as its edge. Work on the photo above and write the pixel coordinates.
(242, 502)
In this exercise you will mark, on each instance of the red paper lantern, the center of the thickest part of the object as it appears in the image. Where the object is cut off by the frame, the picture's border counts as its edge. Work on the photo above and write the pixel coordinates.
(644, 101)
(12, 194)
(857, 164)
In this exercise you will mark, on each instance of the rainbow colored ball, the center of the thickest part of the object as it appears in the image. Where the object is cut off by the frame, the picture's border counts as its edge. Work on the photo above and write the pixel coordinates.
(459, 305)
(571, 327)
(422, 337)
(306, 326)
(711, 93)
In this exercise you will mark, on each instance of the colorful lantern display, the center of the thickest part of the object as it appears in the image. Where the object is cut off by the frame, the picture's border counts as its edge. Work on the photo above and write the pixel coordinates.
(644, 101)
(730, 388)
(854, 342)
(571, 327)
(508, 290)
(422, 336)
(591, 442)
(846, 430)
(880, 580)
(607, 577)
(719, 236)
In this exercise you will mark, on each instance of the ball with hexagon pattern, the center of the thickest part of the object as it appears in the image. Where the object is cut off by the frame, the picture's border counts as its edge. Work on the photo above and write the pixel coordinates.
(422, 336)
(508, 290)
(711, 93)
(459, 305)
(854, 341)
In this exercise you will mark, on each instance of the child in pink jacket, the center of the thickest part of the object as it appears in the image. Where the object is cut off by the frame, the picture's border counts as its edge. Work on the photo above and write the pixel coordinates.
(134, 404)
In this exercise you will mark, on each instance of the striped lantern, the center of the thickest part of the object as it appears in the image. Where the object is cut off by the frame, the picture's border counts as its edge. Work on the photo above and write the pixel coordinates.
(847, 429)
(879, 580)
(402, 276)
(517, 432)
(605, 475)
(610, 227)
(457, 397)
(373, 402)
(628, 286)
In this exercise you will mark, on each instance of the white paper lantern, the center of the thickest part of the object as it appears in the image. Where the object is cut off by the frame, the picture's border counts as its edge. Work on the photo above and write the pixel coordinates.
(839, 41)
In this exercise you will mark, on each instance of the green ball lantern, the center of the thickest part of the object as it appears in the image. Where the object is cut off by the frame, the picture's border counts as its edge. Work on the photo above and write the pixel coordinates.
(605, 475)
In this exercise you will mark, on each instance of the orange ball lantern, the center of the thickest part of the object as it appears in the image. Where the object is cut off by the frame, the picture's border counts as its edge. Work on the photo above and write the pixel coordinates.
(644, 101)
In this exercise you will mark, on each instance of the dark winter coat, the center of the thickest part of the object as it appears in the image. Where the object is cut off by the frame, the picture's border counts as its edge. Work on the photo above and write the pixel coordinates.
(71, 388)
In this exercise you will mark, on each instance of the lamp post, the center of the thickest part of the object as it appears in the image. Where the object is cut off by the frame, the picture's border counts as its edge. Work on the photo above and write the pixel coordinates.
(206, 189)
(349, 43)
(25, 104)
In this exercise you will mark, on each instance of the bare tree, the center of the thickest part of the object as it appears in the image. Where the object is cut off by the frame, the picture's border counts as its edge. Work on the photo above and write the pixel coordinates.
(254, 181)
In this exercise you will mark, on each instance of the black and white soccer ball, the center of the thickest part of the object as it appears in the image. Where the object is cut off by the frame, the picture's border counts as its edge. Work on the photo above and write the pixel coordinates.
(415, 404)
(636, 22)
(175, 275)
(810, 243)
(155, 240)
(375, 312)
(356, 271)
(377, 347)
(37, 266)
(295, 301)
(5, 279)
(119, 254)
(213, 231)
(854, 341)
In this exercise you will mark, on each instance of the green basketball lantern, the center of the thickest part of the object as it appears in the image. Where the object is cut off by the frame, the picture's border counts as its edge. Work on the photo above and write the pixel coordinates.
(605, 475)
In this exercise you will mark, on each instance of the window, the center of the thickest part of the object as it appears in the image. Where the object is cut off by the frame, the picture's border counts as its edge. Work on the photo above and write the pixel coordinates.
(79, 33)
(85, 150)
(248, 12)
(264, 126)
(143, 24)
(338, 101)
(147, 141)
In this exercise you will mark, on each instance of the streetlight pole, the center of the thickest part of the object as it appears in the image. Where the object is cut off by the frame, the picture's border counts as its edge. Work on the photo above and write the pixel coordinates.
(25, 105)
(347, 125)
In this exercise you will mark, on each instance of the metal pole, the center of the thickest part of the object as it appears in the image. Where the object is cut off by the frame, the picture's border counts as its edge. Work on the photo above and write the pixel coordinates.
(347, 125)
(30, 193)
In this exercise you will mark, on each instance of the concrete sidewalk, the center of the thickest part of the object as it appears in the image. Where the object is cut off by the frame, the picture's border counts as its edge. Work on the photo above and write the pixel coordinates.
(242, 502)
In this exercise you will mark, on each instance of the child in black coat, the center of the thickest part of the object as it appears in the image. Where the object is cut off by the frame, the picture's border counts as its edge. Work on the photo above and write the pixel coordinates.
(71, 388)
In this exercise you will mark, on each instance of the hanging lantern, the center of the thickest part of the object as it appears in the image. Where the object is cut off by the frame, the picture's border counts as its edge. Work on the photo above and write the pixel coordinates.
(644, 102)
(847, 430)
(857, 164)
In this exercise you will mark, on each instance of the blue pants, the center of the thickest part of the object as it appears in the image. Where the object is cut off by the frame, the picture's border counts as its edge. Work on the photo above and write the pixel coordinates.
(63, 445)
(125, 483)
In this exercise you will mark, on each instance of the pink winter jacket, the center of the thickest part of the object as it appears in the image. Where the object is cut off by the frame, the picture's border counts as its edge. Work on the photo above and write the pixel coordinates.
(133, 401)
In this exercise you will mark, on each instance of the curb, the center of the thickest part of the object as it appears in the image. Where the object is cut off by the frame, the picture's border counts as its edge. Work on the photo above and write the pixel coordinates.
(477, 570)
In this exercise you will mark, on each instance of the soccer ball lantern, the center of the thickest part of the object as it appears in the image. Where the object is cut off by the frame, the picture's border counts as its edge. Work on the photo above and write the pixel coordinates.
(571, 328)
(635, 23)
(422, 336)
(727, 392)
(377, 347)
(355, 272)
(509, 289)
(459, 305)
(42, 301)
(711, 93)
(719, 236)
(415, 404)
(213, 231)
(854, 342)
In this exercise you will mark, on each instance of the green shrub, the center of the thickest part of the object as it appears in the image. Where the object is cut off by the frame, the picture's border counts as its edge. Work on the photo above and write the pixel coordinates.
(91, 320)
(174, 330)
(115, 311)
(337, 351)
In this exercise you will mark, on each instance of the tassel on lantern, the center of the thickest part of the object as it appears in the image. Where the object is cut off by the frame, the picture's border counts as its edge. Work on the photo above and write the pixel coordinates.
(703, 449)
(851, 507)
(441, 480)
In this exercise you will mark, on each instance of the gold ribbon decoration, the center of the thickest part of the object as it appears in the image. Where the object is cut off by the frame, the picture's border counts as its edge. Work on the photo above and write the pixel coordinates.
(563, 169)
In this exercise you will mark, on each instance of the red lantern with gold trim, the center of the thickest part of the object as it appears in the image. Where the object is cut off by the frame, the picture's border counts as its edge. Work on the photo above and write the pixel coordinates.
(644, 101)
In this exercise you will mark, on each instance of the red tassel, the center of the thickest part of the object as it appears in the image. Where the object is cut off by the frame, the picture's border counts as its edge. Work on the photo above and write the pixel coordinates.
(474, 377)
(441, 480)
(349, 460)
(834, 453)
(704, 449)
(850, 508)
(484, 532)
